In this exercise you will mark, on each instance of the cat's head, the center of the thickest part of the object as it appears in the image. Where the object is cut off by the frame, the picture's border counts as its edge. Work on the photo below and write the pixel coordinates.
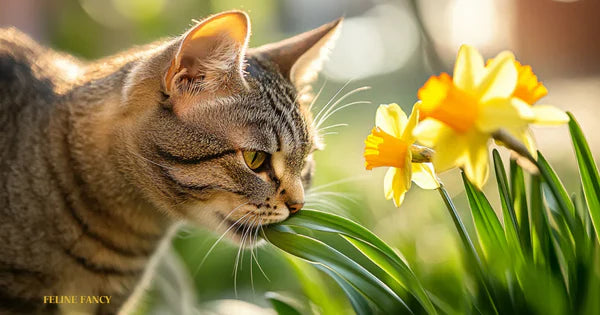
(221, 134)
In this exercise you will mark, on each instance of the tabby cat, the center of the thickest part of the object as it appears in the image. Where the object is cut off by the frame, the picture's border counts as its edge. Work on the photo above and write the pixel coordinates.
(98, 161)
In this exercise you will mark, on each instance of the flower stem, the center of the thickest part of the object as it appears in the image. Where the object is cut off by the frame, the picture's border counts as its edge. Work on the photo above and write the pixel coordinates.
(460, 227)
(474, 258)
(513, 144)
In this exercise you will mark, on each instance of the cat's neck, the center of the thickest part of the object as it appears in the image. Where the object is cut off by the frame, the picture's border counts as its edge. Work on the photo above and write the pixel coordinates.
(87, 117)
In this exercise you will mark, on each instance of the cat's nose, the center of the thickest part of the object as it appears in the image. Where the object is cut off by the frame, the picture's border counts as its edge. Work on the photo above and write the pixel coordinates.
(294, 206)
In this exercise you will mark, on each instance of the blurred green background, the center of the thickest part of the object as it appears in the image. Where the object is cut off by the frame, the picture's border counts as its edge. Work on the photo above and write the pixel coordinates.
(391, 46)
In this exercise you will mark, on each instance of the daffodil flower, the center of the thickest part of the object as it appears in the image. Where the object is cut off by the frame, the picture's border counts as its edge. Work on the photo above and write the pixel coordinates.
(391, 144)
(530, 90)
(460, 114)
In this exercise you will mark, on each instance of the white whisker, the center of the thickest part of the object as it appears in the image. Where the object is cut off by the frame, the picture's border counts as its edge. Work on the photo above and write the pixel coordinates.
(237, 261)
(320, 120)
(337, 182)
(314, 100)
(260, 226)
(217, 242)
(339, 109)
(317, 117)
(329, 133)
(332, 126)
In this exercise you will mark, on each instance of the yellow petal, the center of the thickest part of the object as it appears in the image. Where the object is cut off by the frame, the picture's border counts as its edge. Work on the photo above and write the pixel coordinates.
(450, 153)
(398, 199)
(429, 131)
(498, 113)
(395, 184)
(449, 146)
(424, 176)
(549, 115)
(476, 166)
(500, 78)
(391, 118)
(468, 69)
(401, 184)
(413, 119)
(529, 89)
(388, 181)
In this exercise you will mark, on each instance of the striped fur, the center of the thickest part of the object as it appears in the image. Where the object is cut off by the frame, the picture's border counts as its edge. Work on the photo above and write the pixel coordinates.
(98, 163)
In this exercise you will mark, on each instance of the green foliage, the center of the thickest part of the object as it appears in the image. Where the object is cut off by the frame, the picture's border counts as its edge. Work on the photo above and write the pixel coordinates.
(538, 255)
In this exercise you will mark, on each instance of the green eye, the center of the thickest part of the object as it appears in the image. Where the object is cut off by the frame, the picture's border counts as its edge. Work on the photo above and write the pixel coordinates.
(254, 159)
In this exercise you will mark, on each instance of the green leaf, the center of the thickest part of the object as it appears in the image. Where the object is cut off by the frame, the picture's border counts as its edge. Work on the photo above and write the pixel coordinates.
(314, 287)
(283, 305)
(318, 252)
(519, 195)
(393, 276)
(489, 230)
(327, 222)
(541, 237)
(558, 192)
(359, 302)
(590, 179)
(510, 219)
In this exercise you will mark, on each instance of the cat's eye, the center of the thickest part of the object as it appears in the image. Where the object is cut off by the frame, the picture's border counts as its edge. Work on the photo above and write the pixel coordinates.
(254, 159)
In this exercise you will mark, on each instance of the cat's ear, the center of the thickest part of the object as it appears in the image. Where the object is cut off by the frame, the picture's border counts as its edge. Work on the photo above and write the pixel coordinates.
(211, 54)
(300, 58)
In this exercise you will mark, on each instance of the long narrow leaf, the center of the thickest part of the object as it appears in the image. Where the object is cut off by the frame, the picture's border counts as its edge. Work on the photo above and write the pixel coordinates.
(590, 179)
(359, 302)
(282, 304)
(391, 268)
(489, 229)
(558, 191)
(314, 287)
(510, 219)
(519, 195)
(318, 252)
(328, 222)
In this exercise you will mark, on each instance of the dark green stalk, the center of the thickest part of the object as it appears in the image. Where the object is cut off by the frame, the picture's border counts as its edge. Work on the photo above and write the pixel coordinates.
(474, 258)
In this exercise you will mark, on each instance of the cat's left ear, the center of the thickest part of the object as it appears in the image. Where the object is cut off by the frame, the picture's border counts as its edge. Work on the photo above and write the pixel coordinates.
(212, 52)
(300, 58)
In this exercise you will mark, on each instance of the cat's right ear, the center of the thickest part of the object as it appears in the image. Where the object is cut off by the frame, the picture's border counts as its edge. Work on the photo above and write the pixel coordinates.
(210, 56)
(300, 58)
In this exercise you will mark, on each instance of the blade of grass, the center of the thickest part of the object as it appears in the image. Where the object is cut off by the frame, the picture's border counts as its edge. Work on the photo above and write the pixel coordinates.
(487, 225)
(282, 304)
(327, 222)
(510, 219)
(558, 191)
(391, 269)
(473, 257)
(359, 303)
(545, 248)
(314, 287)
(318, 252)
(590, 179)
(519, 194)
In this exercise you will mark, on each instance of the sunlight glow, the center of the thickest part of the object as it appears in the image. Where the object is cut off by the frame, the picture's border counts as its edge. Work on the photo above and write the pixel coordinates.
(473, 22)
(378, 42)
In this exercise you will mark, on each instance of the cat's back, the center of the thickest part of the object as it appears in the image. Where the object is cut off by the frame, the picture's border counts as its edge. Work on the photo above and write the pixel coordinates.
(27, 69)
(30, 82)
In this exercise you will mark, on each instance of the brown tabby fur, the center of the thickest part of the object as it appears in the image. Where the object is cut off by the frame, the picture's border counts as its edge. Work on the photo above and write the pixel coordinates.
(98, 161)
